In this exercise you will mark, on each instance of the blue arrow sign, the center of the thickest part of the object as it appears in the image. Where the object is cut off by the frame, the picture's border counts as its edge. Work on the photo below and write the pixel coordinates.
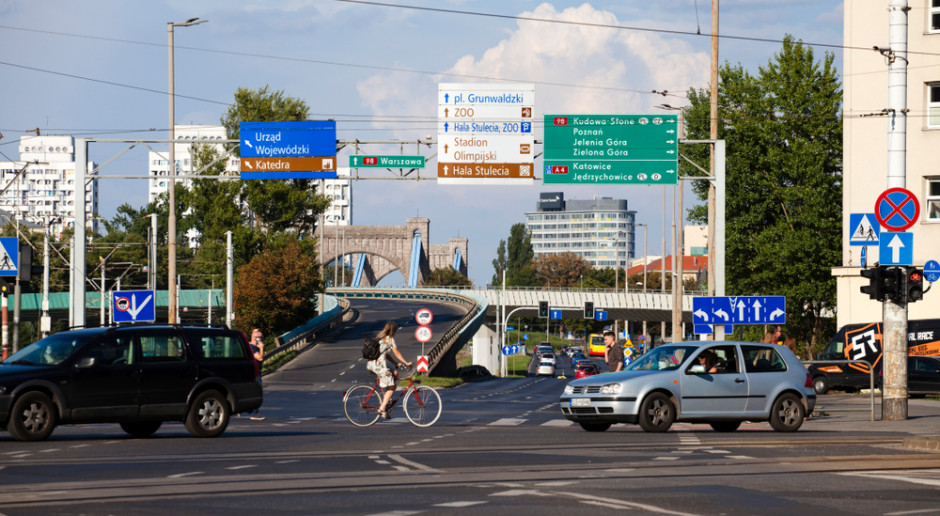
(287, 139)
(896, 248)
(554, 314)
(9, 256)
(134, 306)
(864, 229)
(932, 271)
(600, 315)
(739, 310)
(507, 350)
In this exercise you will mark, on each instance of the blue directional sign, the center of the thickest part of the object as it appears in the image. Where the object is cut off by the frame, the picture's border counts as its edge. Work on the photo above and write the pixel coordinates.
(600, 315)
(554, 314)
(739, 310)
(288, 150)
(932, 271)
(896, 248)
(864, 229)
(9, 256)
(134, 306)
(287, 139)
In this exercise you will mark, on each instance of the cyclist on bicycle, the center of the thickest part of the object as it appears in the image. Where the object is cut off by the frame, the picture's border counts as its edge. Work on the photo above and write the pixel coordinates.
(388, 377)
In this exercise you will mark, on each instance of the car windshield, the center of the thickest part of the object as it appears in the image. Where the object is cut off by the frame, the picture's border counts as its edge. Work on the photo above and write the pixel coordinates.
(664, 358)
(53, 350)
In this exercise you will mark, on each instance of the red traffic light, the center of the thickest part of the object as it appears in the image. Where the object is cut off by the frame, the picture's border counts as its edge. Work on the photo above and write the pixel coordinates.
(916, 276)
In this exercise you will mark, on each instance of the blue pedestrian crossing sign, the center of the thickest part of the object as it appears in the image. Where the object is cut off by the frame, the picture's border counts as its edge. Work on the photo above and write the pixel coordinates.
(9, 256)
(896, 248)
(134, 306)
(864, 229)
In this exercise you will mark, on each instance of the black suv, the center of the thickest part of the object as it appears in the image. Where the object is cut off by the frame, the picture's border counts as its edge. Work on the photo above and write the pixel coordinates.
(138, 376)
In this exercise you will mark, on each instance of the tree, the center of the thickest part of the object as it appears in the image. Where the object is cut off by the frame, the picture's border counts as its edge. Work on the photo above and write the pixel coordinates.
(515, 257)
(276, 289)
(447, 277)
(560, 270)
(784, 181)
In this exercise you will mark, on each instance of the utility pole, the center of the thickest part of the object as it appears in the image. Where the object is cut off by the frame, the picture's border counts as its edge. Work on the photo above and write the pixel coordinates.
(713, 135)
(894, 400)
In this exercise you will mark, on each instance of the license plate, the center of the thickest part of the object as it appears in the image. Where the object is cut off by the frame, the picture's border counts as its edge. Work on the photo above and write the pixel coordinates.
(580, 402)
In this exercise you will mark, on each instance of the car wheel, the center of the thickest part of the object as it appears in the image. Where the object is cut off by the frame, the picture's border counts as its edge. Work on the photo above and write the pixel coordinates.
(725, 426)
(33, 417)
(141, 428)
(787, 413)
(595, 427)
(208, 416)
(657, 413)
(821, 385)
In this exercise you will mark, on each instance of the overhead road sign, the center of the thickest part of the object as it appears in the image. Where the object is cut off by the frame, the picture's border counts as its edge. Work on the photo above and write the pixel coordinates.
(133, 306)
(9, 256)
(554, 314)
(896, 248)
(488, 127)
(863, 229)
(357, 161)
(600, 315)
(302, 139)
(618, 149)
(897, 209)
(739, 310)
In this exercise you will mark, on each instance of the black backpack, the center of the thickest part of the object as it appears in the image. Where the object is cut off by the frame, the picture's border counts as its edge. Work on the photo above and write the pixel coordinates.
(371, 349)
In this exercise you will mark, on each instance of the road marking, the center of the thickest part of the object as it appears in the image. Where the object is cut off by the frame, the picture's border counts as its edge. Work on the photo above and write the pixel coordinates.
(558, 483)
(459, 504)
(246, 466)
(558, 422)
(341, 373)
(396, 513)
(902, 478)
(287, 461)
(50, 450)
(739, 457)
(413, 464)
(716, 451)
(666, 458)
(181, 475)
(920, 511)
(508, 422)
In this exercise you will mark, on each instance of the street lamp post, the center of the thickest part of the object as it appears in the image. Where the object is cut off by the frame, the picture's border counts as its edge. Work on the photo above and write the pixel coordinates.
(171, 222)
(645, 256)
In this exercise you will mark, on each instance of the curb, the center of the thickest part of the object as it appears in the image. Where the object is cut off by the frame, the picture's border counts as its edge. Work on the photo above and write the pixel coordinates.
(924, 443)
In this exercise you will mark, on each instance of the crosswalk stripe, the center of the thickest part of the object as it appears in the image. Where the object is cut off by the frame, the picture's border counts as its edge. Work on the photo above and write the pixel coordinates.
(558, 422)
(508, 421)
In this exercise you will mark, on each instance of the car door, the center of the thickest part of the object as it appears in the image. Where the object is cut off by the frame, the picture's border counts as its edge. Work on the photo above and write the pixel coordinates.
(720, 394)
(105, 384)
(167, 373)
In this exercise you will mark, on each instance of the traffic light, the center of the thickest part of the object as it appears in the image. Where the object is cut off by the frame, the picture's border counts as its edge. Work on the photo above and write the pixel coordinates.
(589, 309)
(914, 288)
(875, 288)
(543, 308)
(893, 284)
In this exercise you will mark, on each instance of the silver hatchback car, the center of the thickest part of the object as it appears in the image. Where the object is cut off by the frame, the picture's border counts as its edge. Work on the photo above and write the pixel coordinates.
(719, 383)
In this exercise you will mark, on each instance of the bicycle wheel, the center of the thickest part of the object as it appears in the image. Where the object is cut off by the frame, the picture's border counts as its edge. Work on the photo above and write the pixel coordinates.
(423, 406)
(361, 405)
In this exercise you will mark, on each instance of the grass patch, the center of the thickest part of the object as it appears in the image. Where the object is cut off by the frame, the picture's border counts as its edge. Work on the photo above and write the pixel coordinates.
(445, 382)
(517, 365)
(271, 365)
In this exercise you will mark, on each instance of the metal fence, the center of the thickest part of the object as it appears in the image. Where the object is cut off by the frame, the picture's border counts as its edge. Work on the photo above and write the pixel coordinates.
(871, 382)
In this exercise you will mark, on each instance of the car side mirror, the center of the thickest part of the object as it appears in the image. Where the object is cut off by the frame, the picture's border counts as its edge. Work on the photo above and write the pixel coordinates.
(85, 363)
(697, 369)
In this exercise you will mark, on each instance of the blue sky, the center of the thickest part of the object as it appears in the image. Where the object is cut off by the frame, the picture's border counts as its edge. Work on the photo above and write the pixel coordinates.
(98, 68)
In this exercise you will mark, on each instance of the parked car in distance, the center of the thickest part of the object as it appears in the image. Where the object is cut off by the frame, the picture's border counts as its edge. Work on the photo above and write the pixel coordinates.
(545, 369)
(750, 382)
(584, 369)
(137, 376)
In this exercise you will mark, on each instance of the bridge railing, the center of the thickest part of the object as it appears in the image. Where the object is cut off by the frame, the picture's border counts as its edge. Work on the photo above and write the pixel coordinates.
(462, 329)
(307, 334)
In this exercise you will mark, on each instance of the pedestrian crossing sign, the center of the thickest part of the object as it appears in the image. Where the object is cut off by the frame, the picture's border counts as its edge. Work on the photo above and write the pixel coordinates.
(864, 228)
(9, 256)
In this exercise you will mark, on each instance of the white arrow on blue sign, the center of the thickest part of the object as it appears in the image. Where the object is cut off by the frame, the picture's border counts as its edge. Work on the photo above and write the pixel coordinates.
(896, 248)
(600, 315)
(739, 310)
(134, 306)
(554, 314)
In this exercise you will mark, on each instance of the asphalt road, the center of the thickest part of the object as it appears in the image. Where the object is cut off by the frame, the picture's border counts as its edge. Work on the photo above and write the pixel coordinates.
(500, 447)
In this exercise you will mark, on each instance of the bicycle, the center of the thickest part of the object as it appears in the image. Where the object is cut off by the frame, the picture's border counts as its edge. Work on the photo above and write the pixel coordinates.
(422, 404)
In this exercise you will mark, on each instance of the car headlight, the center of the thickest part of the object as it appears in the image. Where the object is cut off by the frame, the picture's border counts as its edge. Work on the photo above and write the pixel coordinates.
(611, 388)
(569, 389)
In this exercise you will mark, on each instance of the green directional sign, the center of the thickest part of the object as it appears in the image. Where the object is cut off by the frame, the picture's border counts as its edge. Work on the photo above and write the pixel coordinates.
(586, 149)
(357, 161)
